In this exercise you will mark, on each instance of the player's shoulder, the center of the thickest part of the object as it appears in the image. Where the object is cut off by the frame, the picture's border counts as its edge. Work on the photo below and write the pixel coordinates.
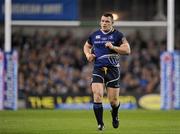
(96, 32)
(118, 33)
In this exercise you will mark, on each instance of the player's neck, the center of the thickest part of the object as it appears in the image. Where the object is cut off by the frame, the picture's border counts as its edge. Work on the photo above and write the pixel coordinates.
(107, 31)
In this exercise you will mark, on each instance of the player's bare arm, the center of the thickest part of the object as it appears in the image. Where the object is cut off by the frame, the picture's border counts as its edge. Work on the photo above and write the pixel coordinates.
(124, 48)
(87, 51)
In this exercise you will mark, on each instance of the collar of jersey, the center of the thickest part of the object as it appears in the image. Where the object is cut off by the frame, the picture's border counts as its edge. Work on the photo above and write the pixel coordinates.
(112, 29)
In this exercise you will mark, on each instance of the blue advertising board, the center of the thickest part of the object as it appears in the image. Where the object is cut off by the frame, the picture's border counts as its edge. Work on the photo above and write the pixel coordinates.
(11, 78)
(176, 56)
(42, 10)
(170, 80)
(1, 80)
(166, 80)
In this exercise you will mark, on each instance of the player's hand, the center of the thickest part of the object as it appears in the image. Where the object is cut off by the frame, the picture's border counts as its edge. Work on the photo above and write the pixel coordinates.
(90, 57)
(109, 45)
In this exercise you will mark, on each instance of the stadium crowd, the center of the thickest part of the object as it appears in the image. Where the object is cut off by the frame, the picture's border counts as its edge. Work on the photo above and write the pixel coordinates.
(55, 64)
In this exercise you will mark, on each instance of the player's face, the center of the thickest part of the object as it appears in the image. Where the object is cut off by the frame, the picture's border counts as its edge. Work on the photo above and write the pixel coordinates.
(106, 23)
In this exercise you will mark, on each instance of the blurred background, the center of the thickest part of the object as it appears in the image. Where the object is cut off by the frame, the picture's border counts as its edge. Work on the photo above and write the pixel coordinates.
(49, 38)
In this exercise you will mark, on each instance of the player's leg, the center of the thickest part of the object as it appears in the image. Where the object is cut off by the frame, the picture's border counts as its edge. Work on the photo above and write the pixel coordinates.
(112, 84)
(113, 95)
(97, 89)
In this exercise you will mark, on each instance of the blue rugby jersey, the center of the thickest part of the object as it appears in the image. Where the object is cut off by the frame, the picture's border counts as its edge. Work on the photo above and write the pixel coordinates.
(105, 56)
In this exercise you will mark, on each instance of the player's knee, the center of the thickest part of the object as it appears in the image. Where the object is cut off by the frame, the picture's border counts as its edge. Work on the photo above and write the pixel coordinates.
(98, 97)
(114, 101)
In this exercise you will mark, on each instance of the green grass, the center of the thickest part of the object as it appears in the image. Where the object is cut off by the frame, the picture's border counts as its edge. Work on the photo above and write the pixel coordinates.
(83, 122)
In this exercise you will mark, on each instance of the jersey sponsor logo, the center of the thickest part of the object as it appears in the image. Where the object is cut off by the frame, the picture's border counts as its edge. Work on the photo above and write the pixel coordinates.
(98, 36)
(110, 37)
(102, 42)
(104, 38)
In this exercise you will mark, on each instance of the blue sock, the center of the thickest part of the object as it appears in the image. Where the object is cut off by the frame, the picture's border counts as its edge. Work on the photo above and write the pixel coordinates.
(98, 111)
(115, 110)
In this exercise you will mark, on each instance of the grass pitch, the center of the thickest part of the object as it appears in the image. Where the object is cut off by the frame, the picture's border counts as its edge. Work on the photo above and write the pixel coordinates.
(83, 122)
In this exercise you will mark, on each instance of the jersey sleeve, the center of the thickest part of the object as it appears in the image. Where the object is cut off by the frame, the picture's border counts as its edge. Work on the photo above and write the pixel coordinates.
(90, 40)
(120, 37)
